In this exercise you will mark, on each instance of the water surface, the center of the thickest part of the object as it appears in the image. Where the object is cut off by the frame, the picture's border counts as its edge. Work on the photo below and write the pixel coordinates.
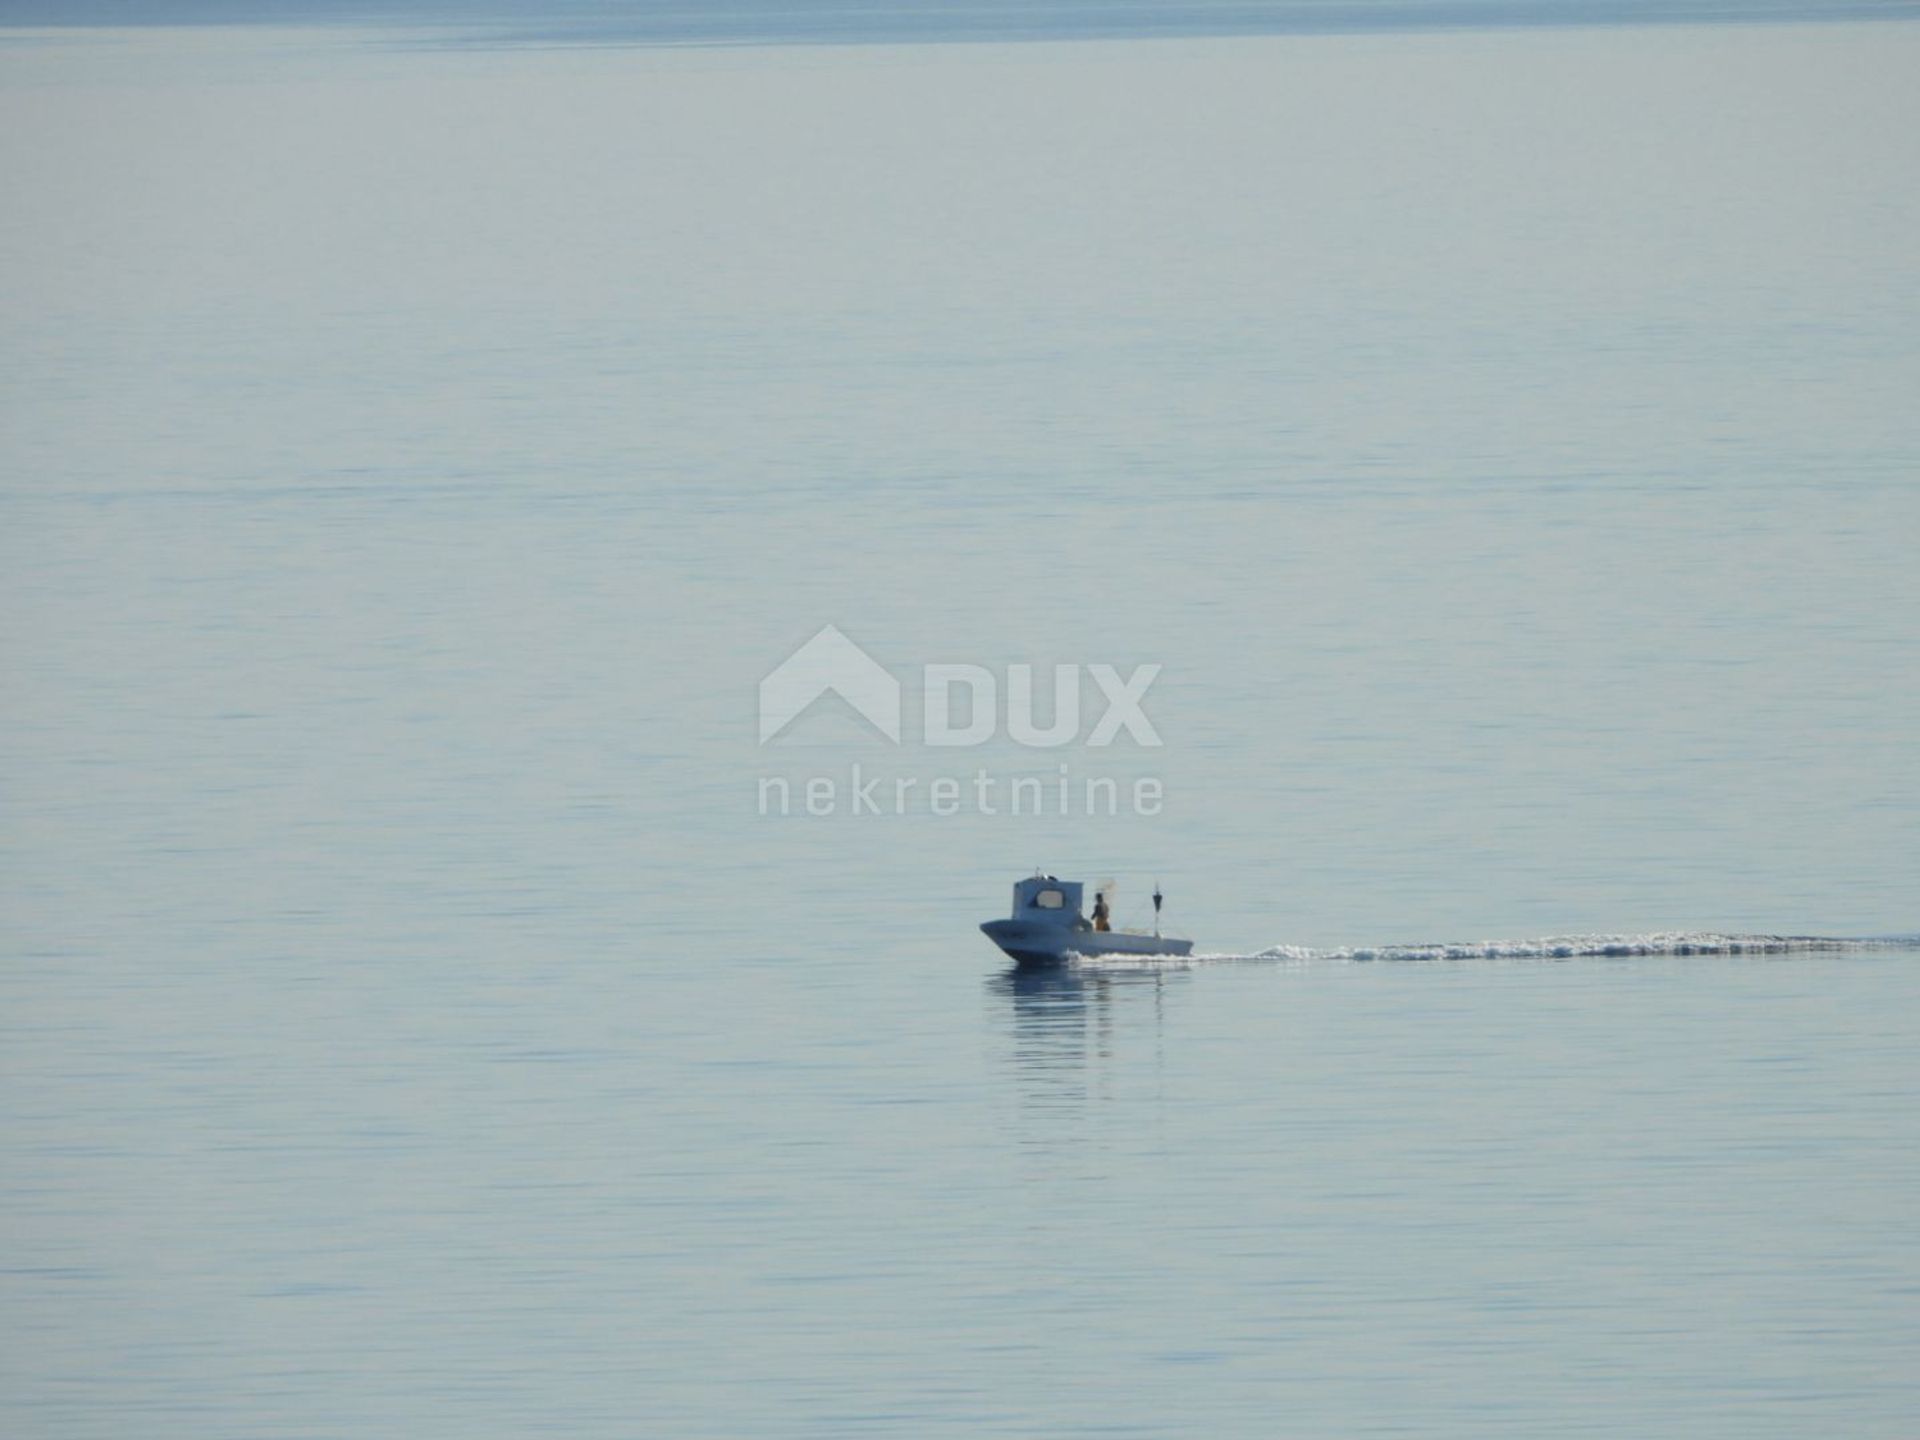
(414, 456)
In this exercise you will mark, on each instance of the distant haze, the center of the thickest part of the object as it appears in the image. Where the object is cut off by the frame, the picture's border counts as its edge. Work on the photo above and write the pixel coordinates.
(754, 21)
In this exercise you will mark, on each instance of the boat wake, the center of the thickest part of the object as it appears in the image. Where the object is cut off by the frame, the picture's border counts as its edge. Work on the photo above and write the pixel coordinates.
(1549, 947)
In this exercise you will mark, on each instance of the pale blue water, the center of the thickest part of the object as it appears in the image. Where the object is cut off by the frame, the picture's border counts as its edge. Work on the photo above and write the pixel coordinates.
(416, 452)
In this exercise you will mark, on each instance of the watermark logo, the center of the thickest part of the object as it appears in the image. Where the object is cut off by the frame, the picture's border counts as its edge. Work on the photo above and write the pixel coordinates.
(961, 705)
(829, 663)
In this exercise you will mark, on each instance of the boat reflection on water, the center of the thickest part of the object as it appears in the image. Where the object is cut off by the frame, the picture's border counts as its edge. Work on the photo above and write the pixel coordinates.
(1073, 1024)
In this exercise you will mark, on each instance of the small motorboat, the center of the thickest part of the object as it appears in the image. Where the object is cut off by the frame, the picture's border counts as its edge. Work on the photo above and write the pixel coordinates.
(1047, 928)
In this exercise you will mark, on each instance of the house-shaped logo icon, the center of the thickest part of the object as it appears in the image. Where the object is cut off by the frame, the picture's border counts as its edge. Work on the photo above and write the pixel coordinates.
(830, 661)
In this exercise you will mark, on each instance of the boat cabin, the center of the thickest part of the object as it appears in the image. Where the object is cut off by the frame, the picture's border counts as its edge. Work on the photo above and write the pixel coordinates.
(1047, 900)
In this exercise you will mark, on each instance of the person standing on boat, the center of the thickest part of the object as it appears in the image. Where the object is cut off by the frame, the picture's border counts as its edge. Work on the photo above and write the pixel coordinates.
(1100, 910)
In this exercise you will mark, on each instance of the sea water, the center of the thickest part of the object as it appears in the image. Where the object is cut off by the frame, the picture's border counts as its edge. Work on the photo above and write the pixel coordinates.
(419, 445)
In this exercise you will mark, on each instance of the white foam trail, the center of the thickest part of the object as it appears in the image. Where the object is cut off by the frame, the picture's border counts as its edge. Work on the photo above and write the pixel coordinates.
(1548, 947)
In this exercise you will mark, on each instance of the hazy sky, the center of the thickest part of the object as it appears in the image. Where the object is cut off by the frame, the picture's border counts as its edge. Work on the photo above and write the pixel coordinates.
(841, 20)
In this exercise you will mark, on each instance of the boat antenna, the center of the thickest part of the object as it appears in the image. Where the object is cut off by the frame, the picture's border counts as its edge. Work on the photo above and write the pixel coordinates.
(1157, 898)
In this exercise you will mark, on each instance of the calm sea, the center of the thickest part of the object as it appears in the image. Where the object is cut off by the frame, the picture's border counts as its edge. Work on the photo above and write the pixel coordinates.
(417, 446)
